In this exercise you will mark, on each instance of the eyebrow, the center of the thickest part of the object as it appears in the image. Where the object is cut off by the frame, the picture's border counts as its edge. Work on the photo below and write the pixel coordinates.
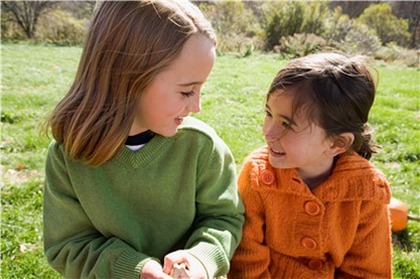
(282, 115)
(191, 83)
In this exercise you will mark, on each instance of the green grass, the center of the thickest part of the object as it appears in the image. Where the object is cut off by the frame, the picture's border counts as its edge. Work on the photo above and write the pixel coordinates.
(34, 78)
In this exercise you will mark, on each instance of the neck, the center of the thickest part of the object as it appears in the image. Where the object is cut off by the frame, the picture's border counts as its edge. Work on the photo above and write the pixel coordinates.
(314, 178)
(315, 181)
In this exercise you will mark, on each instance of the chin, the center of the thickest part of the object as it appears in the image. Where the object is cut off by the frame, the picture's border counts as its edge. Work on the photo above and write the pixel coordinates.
(167, 134)
(274, 162)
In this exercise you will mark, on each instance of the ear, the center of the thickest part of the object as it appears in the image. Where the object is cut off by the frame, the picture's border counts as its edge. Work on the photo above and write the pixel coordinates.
(341, 144)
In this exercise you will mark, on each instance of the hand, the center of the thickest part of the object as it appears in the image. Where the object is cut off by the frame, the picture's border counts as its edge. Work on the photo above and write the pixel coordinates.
(180, 271)
(153, 270)
(195, 268)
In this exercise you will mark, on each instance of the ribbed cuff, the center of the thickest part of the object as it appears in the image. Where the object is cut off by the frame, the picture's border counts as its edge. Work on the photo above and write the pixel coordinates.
(130, 264)
(213, 260)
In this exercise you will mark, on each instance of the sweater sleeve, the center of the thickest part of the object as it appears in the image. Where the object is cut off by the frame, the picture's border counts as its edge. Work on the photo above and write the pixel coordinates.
(252, 258)
(370, 255)
(72, 245)
(219, 218)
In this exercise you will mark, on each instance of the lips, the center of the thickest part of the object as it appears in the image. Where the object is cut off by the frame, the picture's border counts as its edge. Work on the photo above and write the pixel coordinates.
(178, 120)
(277, 152)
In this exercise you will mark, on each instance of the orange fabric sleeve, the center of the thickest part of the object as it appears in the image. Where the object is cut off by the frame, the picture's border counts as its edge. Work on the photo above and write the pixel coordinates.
(370, 254)
(252, 258)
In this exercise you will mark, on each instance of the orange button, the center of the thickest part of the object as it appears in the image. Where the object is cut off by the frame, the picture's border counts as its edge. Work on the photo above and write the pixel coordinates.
(267, 177)
(308, 243)
(312, 208)
(315, 264)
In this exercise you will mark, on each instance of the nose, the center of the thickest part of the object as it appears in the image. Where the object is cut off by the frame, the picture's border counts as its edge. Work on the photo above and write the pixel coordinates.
(195, 103)
(272, 132)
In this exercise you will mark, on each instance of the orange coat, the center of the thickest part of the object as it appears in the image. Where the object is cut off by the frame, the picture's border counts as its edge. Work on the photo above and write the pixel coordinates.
(340, 229)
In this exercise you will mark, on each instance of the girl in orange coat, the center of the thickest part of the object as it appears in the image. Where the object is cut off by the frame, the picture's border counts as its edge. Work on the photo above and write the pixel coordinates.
(315, 206)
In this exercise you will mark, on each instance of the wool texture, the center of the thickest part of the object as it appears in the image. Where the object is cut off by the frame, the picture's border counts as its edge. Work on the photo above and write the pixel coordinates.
(340, 229)
(175, 193)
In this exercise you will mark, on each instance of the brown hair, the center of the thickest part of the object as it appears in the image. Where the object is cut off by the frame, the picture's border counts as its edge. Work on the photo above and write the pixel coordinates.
(128, 44)
(335, 92)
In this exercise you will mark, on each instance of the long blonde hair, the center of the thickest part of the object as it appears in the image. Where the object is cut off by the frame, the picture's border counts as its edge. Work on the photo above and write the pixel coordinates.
(128, 44)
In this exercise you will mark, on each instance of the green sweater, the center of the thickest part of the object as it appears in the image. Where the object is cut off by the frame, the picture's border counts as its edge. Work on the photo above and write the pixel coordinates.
(174, 193)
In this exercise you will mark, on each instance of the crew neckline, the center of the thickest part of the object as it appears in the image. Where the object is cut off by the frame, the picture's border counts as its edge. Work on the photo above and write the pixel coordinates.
(139, 139)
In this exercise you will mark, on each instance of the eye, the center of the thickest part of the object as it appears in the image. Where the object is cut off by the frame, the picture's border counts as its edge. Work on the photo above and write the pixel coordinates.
(286, 124)
(268, 114)
(188, 94)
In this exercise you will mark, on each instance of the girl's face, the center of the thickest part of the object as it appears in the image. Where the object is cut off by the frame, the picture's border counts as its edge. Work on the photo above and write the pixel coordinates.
(175, 92)
(295, 144)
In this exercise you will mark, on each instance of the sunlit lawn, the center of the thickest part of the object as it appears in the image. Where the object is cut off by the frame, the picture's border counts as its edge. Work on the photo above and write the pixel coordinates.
(34, 78)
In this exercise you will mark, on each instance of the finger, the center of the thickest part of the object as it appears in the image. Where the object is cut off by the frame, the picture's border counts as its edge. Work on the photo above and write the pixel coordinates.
(180, 271)
(168, 264)
(171, 259)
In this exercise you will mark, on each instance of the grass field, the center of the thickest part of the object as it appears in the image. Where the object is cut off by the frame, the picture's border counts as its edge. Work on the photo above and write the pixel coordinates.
(34, 78)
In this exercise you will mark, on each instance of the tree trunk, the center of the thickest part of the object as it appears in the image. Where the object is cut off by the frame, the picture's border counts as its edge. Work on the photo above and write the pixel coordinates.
(27, 13)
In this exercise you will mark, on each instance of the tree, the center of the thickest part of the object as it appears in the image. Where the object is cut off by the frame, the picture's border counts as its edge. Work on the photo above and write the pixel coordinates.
(352, 8)
(409, 10)
(235, 24)
(283, 19)
(388, 27)
(27, 13)
(316, 13)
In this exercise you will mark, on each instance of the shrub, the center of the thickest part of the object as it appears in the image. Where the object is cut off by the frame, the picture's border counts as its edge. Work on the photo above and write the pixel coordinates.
(10, 30)
(235, 43)
(337, 26)
(388, 27)
(316, 13)
(286, 18)
(283, 19)
(362, 40)
(300, 45)
(397, 54)
(235, 25)
(60, 27)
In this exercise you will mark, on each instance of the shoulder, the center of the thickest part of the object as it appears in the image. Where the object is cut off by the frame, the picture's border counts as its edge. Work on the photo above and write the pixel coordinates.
(56, 158)
(55, 150)
(192, 124)
(355, 178)
(257, 168)
(257, 161)
(199, 141)
(195, 131)
(356, 167)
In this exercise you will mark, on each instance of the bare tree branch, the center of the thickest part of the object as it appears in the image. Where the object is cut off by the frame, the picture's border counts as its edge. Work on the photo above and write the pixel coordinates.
(27, 13)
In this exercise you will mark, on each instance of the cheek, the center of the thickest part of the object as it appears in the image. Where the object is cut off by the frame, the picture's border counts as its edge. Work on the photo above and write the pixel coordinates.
(288, 143)
(294, 144)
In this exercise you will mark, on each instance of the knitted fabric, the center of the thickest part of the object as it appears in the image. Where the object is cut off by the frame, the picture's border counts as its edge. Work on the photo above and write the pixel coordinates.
(174, 193)
(340, 229)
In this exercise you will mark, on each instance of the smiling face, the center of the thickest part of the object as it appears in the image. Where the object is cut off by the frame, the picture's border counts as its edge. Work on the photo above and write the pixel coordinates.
(295, 142)
(175, 92)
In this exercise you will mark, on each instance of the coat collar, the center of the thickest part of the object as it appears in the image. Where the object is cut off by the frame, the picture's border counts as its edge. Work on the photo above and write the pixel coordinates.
(353, 178)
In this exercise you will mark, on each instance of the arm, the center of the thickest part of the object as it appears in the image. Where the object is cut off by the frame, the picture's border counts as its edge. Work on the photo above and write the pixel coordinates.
(370, 255)
(252, 258)
(72, 244)
(217, 229)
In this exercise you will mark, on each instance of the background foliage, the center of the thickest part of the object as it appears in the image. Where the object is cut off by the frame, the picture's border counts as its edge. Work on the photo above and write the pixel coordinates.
(388, 30)
(255, 40)
(35, 77)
